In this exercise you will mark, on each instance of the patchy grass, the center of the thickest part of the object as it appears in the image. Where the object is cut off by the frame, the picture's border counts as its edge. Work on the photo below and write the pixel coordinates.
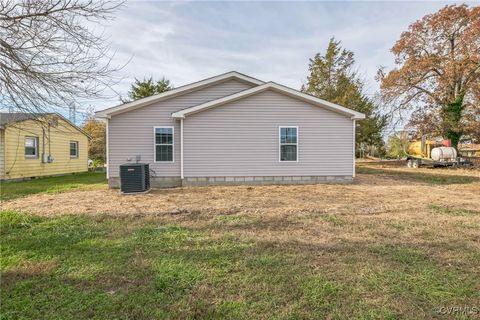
(236, 220)
(385, 247)
(100, 267)
(334, 220)
(16, 189)
(453, 211)
(423, 175)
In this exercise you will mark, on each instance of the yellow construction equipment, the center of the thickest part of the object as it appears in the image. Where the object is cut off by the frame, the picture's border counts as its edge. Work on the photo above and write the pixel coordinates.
(438, 153)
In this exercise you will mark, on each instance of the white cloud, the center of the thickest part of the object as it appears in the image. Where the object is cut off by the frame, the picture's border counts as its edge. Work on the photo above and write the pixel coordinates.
(189, 41)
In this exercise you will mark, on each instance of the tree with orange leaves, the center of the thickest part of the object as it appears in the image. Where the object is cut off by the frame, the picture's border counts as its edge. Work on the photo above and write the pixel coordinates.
(437, 73)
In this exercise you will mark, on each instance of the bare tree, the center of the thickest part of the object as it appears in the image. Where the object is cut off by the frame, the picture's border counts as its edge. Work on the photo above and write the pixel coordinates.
(52, 54)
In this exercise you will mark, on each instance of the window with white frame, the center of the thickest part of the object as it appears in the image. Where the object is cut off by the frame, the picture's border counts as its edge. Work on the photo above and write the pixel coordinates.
(288, 143)
(31, 147)
(73, 149)
(163, 144)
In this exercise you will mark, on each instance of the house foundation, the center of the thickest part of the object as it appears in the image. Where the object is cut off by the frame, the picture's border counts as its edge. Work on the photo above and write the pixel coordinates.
(170, 182)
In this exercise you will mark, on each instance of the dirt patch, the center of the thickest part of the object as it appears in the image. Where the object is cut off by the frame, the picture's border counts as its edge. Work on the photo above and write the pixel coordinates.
(375, 205)
(372, 193)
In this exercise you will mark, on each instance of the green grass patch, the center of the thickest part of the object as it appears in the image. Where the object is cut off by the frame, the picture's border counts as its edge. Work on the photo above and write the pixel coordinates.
(403, 255)
(424, 286)
(16, 189)
(126, 268)
(323, 294)
(453, 211)
(175, 275)
(236, 220)
(410, 274)
(12, 220)
(333, 219)
(266, 261)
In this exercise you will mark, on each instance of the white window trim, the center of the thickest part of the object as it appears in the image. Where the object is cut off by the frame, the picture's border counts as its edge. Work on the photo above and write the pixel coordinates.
(37, 151)
(76, 156)
(155, 144)
(280, 143)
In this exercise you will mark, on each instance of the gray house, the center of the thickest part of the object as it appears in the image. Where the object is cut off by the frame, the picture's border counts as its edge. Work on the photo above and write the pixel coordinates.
(232, 129)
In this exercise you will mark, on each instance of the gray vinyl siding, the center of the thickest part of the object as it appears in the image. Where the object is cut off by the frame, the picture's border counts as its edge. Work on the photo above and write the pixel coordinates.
(241, 139)
(131, 133)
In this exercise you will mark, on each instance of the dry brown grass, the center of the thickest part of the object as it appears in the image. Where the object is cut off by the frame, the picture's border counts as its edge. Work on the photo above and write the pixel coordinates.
(380, 205)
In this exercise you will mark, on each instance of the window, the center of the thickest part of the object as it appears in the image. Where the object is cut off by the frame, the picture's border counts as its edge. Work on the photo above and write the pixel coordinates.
(163, 144)
(288, 143)
(31, 147)
(73, 149)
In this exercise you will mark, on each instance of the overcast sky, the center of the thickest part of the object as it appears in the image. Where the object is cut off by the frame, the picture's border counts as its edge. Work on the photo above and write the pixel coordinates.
(272, 41)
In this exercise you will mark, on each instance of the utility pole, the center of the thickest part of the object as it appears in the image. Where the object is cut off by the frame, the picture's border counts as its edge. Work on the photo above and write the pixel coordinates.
(71, 113)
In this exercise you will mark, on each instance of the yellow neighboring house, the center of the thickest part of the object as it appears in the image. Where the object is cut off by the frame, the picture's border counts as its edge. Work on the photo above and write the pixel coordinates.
(34, 145)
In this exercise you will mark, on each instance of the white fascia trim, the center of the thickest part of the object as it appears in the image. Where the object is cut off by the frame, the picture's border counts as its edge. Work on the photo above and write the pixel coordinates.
(107, 113)
(270, 85)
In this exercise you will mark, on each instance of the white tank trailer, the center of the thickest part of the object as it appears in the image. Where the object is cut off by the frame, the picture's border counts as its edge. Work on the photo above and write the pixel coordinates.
(443, 154)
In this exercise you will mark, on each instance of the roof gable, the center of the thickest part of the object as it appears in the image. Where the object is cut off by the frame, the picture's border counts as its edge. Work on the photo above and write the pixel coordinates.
(107, 113)
(270, 86)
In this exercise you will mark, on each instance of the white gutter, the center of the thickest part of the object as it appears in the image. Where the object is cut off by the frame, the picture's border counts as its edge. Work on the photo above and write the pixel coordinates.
(181, 148)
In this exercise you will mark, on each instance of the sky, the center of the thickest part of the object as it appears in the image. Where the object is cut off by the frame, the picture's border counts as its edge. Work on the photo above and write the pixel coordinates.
(272, 41)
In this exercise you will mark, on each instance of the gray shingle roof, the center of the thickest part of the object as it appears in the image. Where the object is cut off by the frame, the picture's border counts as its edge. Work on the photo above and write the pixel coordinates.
(7, 118)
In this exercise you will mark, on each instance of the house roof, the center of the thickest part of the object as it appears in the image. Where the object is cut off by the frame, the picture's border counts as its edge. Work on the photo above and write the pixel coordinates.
(269, 86)
(260, 86)
(107, 113)
(9, 118)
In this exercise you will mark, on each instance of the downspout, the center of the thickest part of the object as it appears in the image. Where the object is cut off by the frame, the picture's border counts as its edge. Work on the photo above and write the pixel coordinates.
(181, 149)
(43, 145)
(107, 151)
(49, 145)
(353, 169)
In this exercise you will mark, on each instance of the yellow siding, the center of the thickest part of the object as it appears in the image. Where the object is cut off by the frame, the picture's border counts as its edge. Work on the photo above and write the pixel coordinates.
(17, 166)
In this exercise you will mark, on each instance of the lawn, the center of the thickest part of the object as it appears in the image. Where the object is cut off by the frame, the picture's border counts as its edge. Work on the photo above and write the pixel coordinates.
(11, 190)
(389, 246)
